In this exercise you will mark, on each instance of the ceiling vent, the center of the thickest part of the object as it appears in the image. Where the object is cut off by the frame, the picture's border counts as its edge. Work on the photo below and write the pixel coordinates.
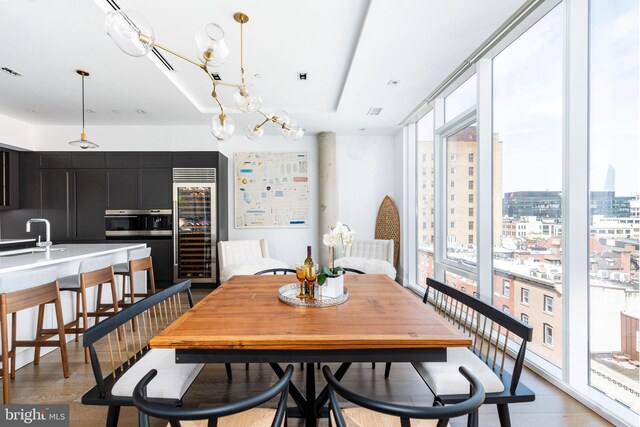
(155, 51)
(374, 111)
(11, 72)
(302, 76)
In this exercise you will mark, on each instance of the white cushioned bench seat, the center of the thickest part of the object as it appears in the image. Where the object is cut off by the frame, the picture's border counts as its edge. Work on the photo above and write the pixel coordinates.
(172, 381)
(444, 378)
(250, 267)
(361, 417)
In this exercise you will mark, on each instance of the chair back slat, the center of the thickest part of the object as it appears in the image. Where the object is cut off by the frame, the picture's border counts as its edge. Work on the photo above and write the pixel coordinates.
(504, 351)
(113, 362)
(132, 328)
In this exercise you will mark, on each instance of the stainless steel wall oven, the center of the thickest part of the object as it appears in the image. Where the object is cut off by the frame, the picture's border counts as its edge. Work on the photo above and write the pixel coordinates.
(136, 222)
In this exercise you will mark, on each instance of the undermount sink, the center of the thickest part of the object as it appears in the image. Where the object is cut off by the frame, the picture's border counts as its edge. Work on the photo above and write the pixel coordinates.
(28, 251)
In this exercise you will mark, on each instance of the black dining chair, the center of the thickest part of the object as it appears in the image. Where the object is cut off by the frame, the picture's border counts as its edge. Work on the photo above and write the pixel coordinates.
(276, 271)
(377, 412)
(243, 412)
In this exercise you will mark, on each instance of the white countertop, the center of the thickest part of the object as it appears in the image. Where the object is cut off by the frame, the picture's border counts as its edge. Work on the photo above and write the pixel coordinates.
(12, 241)
(62, 254)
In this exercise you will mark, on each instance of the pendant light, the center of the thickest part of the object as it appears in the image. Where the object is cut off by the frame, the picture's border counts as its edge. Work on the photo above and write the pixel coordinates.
(83, 142)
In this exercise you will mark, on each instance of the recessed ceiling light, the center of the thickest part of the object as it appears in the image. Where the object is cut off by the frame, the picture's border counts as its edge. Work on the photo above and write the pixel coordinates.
(374, 111)
(141, 111)
(393, 82)
(363, 129)
(89, 110)
(216, 76)
(302, 75)
(115, 111)
(11, 72)
(33, 110)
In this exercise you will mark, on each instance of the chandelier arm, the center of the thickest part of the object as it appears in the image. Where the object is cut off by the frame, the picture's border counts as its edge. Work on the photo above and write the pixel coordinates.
(261, 124)
(214, 95)
(179, 55)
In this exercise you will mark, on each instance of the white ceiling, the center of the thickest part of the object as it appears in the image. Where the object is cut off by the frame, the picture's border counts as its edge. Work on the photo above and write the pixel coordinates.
(350, 50)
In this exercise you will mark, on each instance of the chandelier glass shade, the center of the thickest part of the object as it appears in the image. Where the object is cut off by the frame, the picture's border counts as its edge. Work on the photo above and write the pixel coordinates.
(135, 36)
(83, 142)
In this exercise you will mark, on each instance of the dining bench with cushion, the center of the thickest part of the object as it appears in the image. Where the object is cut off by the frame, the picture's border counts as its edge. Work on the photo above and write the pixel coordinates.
(125, 338)
(495, 335)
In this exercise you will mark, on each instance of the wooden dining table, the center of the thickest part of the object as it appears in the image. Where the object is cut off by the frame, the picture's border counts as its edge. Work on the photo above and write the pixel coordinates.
(243, 321)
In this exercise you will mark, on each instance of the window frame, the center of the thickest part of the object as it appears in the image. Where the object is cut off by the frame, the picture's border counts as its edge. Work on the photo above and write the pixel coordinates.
(544, 304)
(545, 327)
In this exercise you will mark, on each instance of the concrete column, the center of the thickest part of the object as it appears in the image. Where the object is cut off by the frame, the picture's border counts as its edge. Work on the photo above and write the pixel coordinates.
(327, 190)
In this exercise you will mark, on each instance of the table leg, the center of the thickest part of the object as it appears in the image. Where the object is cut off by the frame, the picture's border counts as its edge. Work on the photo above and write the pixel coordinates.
(323, 397)
(294, 392)
(311, 417)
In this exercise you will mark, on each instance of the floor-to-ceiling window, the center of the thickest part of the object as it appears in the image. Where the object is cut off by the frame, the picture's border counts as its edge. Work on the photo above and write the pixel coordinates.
(614, 157)
(550, 147)
(527, 182)
(425, 181)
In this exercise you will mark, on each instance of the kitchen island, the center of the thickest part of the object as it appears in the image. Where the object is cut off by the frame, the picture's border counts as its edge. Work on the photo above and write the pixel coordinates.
(67, 258)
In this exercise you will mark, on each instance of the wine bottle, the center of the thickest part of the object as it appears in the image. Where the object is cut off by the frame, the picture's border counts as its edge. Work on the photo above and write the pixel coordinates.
(308, 260)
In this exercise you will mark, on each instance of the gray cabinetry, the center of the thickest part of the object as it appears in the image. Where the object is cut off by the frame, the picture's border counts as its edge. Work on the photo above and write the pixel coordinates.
(122, 188)
(155, 187)
(56, 203)
(90, 186)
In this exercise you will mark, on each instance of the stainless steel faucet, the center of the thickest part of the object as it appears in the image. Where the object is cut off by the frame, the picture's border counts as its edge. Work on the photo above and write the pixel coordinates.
(46, 243)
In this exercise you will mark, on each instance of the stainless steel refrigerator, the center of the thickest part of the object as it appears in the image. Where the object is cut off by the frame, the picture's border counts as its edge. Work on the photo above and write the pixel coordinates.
(194, 224)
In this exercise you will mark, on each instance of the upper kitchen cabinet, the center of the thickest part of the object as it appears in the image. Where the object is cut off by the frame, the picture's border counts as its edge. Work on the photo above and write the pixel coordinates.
(195, 160)
(55, 160)
(122, 160)
(155, 188)
(87, 160)
(122, 188)
(155, 160)
(10, 179)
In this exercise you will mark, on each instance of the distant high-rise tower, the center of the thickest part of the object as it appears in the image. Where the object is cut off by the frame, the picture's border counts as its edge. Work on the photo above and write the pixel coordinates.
(610, 180)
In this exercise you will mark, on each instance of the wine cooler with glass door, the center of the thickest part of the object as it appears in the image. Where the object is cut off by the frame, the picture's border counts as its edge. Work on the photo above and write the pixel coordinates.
(194, 224)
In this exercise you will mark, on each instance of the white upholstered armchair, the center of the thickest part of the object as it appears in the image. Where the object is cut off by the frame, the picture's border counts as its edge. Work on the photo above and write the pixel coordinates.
(370, 257)
(245, 257)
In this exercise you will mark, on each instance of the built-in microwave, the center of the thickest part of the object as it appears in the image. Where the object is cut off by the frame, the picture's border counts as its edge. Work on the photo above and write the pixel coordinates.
(137, 222)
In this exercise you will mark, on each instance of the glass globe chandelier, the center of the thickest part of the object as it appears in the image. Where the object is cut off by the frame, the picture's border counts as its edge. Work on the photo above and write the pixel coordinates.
(83, 142)
(135, 37)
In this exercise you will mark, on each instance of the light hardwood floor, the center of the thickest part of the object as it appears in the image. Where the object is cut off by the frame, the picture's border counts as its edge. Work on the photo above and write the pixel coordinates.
(45, 384)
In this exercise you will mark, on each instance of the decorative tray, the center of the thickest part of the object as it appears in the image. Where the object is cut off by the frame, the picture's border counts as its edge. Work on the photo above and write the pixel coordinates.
(288, 294)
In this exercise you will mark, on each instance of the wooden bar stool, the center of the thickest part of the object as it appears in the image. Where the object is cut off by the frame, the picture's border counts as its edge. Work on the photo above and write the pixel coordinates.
(18, 291)
(92, 272)
(137, 260)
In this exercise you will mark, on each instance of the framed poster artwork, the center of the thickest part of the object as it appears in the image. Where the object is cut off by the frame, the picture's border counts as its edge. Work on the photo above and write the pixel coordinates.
(271, 190)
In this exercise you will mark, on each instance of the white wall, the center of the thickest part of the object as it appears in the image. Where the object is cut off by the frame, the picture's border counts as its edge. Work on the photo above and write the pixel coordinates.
(16, 134)
(128, 138)
(366, 173)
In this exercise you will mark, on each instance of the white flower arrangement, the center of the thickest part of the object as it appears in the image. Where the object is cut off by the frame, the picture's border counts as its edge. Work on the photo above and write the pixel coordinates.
(340, 235)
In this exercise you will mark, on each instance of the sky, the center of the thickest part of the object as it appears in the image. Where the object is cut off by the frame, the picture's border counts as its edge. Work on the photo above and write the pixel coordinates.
(528, 103)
